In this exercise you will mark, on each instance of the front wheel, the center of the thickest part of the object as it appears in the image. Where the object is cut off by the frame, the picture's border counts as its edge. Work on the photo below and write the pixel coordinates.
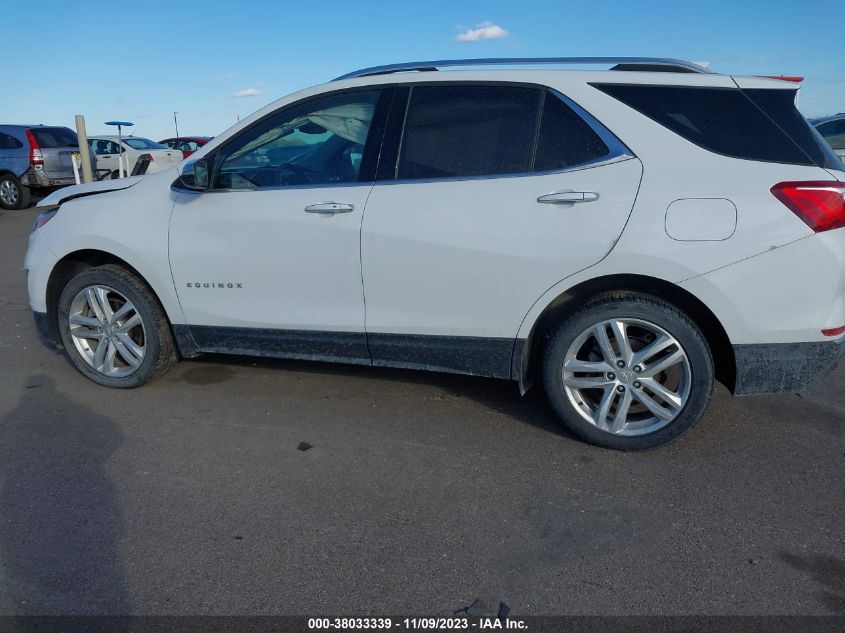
(628, 371)
(114, 329)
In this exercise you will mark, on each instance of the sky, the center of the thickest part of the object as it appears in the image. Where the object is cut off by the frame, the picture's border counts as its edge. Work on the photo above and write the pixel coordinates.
(213, 61)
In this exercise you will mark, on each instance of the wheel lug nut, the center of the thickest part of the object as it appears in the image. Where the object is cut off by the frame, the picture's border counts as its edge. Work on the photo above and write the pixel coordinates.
(638, 368)
(637, 384)
(620, 363)
(620, 388)
(611, 376)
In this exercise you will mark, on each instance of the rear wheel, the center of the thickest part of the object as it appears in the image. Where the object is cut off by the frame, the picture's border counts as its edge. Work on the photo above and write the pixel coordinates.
(114, 329)
(628, 371)
(13, 195)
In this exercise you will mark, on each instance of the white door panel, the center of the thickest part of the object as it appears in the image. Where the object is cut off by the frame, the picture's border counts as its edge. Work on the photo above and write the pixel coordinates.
(470, 257)
(297, 270)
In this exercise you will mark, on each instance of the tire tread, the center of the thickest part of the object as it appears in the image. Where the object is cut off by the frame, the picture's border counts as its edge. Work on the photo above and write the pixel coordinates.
(595, 436)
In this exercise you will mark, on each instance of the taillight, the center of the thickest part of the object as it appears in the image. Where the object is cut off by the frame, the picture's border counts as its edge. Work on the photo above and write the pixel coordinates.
(35, 155)
(819, 203)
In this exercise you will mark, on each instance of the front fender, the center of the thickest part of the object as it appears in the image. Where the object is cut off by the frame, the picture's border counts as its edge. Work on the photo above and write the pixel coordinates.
(131, 224)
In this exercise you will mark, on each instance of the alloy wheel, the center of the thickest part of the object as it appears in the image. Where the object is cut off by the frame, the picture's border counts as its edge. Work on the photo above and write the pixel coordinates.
(9, 193)
(627, 376)
(107, 331)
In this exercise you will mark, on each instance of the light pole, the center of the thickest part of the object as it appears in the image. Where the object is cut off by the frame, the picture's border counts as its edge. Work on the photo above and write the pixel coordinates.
(176, 123)
(120, 125)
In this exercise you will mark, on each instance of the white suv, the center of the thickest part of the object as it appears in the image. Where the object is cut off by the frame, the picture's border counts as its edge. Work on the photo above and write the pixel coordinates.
(623, 236)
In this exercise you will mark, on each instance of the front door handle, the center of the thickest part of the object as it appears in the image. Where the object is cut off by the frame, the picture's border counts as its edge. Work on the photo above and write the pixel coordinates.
(330, 207)
(568, 197)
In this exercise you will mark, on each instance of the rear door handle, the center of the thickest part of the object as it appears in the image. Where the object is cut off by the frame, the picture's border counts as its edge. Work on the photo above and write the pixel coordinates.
(568, 197)
(330, 207)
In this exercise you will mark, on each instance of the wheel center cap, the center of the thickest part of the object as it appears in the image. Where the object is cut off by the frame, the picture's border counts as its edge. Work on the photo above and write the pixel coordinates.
(625, 375)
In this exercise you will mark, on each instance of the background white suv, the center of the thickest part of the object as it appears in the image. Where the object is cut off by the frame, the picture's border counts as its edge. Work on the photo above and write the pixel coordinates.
(624, 236)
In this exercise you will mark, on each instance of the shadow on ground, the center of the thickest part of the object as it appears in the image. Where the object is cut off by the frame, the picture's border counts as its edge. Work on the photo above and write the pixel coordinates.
(826, 571)
(61, 517)
(501, 396)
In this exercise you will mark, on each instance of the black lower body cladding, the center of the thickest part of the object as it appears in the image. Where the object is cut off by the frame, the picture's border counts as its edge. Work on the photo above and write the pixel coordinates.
(779, 367)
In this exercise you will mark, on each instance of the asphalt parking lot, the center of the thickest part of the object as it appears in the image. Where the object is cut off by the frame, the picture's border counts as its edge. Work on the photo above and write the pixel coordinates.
(420, 494)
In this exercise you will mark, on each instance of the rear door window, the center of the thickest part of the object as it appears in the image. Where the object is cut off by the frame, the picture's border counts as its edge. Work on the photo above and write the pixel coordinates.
(468, 130)
(103, 147)
(721, 120)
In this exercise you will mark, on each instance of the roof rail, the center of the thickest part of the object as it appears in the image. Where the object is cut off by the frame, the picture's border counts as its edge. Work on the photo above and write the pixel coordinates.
(672, 65)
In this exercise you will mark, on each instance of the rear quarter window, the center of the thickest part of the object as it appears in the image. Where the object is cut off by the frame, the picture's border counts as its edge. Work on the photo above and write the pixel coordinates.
(779, 106)
(9, 142)
(565, 139)
(721, 120)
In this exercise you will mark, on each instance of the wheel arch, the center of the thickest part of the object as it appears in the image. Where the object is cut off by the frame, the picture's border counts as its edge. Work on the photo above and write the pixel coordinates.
(527, 360)
(73, 263)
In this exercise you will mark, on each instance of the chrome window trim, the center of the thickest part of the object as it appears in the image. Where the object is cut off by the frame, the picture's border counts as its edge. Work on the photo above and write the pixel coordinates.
(599, 162)
(334, 185)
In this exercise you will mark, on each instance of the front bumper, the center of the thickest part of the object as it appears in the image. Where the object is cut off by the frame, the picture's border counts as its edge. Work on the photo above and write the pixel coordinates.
(775, 368)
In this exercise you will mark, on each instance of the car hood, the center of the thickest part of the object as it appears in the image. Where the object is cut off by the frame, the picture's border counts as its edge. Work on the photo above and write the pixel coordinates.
(88, 189)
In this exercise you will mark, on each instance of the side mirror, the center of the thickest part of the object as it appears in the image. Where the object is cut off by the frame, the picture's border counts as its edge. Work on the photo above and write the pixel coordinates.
(194, 174)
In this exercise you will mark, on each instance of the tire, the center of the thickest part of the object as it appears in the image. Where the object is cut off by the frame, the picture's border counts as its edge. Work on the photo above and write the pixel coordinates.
(666, 354)
(138, 343)
(13, 195)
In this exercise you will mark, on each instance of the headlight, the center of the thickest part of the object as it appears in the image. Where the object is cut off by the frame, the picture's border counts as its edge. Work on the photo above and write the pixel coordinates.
(46, 215)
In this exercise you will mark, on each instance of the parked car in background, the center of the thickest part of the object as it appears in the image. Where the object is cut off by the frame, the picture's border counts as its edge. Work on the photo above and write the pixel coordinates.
(106, 149)
(34, 158)
(186, 144)
(832, 128)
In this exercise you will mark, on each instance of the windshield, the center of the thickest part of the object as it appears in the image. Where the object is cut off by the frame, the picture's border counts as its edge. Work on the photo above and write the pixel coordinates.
(142, 143)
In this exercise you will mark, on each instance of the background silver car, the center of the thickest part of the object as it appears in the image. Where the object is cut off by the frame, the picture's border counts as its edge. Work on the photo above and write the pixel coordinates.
(34, 158)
